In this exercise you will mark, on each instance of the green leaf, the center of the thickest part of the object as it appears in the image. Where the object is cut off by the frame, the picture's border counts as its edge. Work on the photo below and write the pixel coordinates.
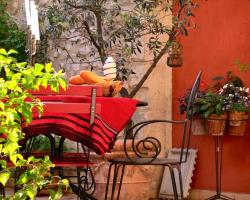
(9, 117)
(22, 64)
(44, 82)
(38, 69)
(204, 107)
(12, 51)
(65, 183)
(48, 67)
(55, 195)
(3, 164)
(218, 108)
(20, 195)
(63, 83)
(31, 191)
(3, 52)
(20, 163)
(4, 177)
(209, 112)
(2, 106)
(52, 194)
(24, 178)
(13, 158)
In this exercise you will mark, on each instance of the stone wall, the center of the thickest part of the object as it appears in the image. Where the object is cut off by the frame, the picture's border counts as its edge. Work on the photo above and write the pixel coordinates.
(156, 91)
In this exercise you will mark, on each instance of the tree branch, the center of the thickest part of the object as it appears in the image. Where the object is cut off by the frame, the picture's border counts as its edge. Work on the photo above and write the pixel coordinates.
(93, 40)
(101, 49)
(152, 66)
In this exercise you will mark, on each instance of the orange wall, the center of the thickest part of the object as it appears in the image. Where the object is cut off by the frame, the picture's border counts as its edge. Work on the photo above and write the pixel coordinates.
(222, 36)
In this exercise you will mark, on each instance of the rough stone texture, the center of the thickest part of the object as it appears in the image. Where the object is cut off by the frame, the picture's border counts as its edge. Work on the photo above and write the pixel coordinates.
(156, 91)
(16, 9)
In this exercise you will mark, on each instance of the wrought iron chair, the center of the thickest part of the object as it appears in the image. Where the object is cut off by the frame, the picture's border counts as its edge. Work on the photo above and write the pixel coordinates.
(153, 145)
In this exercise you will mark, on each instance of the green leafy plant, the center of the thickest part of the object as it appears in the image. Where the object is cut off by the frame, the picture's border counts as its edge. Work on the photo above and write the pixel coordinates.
(14, 107)
(11, 36)
(211, 103)
(183, 102)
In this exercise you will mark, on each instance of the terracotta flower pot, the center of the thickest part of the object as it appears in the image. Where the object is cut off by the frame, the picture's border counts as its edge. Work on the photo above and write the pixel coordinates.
(215, 125)
(237, 123)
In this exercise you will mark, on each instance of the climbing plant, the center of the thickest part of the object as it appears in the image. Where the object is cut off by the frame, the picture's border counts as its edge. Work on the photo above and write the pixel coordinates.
(16, 106)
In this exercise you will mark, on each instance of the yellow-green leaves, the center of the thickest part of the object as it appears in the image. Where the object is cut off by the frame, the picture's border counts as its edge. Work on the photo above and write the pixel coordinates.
(12, 51)
(48, 67)
(31, 191)
(14, 158)
(38, 69)
(2, 106)
(4, 177)
(3, 52)
(3, 164)
(16, 106)
(62, 83)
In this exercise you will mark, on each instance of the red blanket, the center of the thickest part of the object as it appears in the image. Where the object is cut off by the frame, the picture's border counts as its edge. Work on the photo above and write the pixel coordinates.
(115, 114)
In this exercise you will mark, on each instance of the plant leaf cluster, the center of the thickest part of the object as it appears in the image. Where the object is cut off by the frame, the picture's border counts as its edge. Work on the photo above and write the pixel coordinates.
(227, 94)
(211, 103)
(16, 106)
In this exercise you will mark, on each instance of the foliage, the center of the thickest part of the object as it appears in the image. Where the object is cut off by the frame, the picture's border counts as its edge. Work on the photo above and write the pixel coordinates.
(16, 105)
(183, 102)
(236, 97)
(225, 95)
(211, 103)
(230, 78)
(110, 28)
(11, 36)
(42, 143)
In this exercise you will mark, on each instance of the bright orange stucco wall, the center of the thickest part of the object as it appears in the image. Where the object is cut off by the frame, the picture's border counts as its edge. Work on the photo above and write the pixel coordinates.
(222, 36)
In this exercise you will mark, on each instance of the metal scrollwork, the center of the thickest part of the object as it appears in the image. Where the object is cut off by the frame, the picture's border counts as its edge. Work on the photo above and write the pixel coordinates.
(145, 150)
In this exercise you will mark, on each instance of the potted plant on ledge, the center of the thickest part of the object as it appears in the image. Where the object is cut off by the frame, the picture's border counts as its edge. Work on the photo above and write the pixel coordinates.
(238, 108)
(212, 109)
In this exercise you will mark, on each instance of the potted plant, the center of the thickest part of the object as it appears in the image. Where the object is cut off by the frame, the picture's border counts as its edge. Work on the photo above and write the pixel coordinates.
(212, 109)
(198, 123)
(237, 101)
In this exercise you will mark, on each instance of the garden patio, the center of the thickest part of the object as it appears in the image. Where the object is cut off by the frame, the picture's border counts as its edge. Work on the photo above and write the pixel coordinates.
(90, 75)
